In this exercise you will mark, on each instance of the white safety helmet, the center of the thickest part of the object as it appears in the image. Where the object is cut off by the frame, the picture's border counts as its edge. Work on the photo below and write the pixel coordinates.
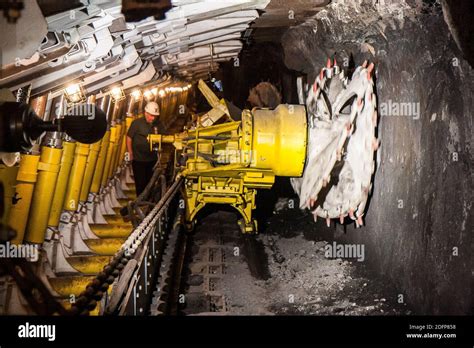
(152, 108)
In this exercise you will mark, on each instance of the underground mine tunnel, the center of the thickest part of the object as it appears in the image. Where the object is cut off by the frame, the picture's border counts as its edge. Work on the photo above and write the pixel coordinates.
(241, 157)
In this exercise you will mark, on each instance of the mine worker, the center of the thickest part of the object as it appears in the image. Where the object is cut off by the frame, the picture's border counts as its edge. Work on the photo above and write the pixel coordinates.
(139, 153)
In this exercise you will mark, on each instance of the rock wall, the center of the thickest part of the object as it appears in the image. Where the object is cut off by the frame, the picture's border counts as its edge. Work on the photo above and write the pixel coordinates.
(419, 224)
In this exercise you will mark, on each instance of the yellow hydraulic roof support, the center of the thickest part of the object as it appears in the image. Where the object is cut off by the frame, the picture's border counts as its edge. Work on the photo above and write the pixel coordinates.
(8, 176)
(90, 169)
(48, 169)
(108, 159)
(123, 146)
(71, 201)
(226, 163)
(61, 185)
(115, 150)
(97, 178)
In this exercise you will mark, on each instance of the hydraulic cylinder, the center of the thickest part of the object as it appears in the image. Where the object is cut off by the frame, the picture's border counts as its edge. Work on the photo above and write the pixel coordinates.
(71, 201)
(48, 169)
(108, 159)
(97, 178)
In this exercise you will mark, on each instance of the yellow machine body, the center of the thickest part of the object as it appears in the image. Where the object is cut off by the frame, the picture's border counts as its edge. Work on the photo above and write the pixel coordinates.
(62, 182)
(100, 166)
(109, 156)
(226, 163)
